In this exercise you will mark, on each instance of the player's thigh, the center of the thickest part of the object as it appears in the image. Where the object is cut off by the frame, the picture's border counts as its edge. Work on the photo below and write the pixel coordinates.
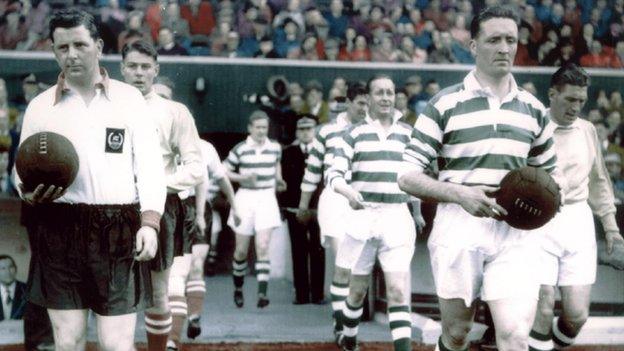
(116, 333)
(242, 243)
(456, 317)
(575, 301)
(69, 326)
(263, 241)
(179, 273)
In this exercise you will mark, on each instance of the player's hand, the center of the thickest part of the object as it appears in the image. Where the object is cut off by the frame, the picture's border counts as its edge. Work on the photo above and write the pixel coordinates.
(356, 201)
(281, 185)
(304, 215)
(613, 238)
(479, 201)
(146, 243)
(200, 222)
(42, 194)
(236, 215)
(420, 222)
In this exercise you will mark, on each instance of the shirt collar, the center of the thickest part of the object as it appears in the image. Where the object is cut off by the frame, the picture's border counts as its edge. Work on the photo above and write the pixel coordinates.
(472, 84)
(62, 88)
(151, 95)
(252, 143)
(395, 117)
(574, 125)
(8, 289)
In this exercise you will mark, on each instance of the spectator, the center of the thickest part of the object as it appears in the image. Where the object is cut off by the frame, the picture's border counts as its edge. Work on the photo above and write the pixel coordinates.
(614, 119)
(199, 16)
(379, 20)
(313, 18)
(613, 162)
(459, 32)
(12, 291)
(615, 102)
(441, 51)
(292, 12)
(266, 49)
(232, 46)
(556, 15)
(597, 57)
(528, 16)
(543, 11)
(309, 49)
(349, 44)
(246, 18)
(153, 16)
(434, 13)
(595, 116)
(331, 49)
(136, 28)
(111, 21)
(619, 54)
(167, 44)
(561, 55)
(526, 53)
(413, 87)
(287, 39)
(549, 46)
(360, 51)
(314, 103)
(13, 30)
(336, 19)
(250, 45)
(385, 51)
(218, 37)
(530, 87)
(408, 52)
(176, 23)
(572, 17)
(401, 104)
(423, 38)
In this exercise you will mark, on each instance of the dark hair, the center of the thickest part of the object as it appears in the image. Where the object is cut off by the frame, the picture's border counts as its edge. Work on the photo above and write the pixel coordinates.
(71, 18)
(570, 74)
(7, 257)
(257, 115)
(355, 89)
(496, 11)
(140, 46)
(376, 77)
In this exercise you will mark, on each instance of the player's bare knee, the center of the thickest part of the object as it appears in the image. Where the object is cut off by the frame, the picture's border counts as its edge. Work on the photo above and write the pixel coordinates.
(575, 319)
(116, 342)
(341, 275)
(67, 341)
(456, 333)
(197, 271)
(512, 339)
(396, 294)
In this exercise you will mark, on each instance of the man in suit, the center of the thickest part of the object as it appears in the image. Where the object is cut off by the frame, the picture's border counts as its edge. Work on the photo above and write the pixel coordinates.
(307, 253)
(12, 291)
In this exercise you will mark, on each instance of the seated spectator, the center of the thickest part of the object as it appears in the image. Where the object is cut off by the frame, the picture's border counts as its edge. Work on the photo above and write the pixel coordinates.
(309, 49)
(250, 45)
(218, 37)
(173, 20)
(615, 102)
(292, 11)
(526, 54)
(360, 51)
(287, 39)
(572, 17)
(314, 103)
(619, 54)
(613, 162)
(378, 20)
(595, 116)
(331, 49)
(199, 16)
(401, 104)
(459, 32)
(13, 30)
(408, 52)
(37, 17)
(614, 121)
(12, 291)
(245, 20)
(385, 51)
(441, 51)
(423, 38)
(313, 18)
(167, 44)
(336, 19)
(549, 46)
(597, 57)
(153, 16)
(543, 11)
(111, 21)
(136, 28)
(563, 54)
(528, 16)
(266, 49)
(434, 13)
(232, 46)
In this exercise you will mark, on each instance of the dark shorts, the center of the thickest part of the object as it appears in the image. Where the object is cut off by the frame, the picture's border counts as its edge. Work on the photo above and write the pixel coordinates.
(172, 238)
(83, 258)
(197, 237)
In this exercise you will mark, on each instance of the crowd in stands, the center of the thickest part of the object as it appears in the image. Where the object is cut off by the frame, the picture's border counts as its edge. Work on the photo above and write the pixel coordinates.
(587, 32)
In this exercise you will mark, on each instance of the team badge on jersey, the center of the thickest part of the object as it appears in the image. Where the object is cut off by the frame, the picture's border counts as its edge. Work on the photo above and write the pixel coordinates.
(114, 140)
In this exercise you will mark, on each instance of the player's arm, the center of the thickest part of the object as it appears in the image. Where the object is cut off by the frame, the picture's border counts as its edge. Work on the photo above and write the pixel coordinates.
(279, 180)
(201, 190)
(313, 173)
(343, 155)
(601, 198)
(542, 154)
(185, 135)
(150, 180)
(231, 164)
(424, 146)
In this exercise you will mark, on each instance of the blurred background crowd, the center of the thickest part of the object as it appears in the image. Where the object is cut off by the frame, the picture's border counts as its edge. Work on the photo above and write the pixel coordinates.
(587, 32)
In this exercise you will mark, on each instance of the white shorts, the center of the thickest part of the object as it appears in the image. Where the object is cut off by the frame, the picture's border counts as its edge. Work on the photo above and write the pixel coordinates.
(473, 256)
(569, 242)
(386, 233)
(257, 209)
(333, 209)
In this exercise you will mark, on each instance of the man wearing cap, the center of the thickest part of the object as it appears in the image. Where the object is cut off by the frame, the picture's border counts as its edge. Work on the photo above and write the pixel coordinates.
(305, 241)
(255, 164)
(315, 105)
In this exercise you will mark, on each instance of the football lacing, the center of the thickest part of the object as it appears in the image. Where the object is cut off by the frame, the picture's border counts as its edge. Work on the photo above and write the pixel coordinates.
(43, 143)
(527, 207)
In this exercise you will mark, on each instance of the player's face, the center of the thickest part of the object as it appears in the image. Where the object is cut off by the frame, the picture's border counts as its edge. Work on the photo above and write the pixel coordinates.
(382, 98)
(305, 135)
(139, 70)
(565, 105)
(76, 52)
(358, 108)
(495, 46)
(7, 272)
(259, 129)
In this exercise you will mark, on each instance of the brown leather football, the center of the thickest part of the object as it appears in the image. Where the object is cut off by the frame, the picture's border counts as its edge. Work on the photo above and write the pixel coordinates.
(46, 158)
(530, 196)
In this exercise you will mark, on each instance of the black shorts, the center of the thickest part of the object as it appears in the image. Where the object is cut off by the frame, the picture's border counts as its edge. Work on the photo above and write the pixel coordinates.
(197, 237)
(83, 258)
(172, 238)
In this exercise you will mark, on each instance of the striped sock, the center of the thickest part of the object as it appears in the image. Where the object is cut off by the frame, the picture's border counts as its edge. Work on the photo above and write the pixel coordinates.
(195, 292)
(561, 337)
(179, 311)
(540, 342)
(239, 268)
(351, 320)
(157, 326)
(401, 327)
(339, 293)
(263, 269)
(441, 347)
